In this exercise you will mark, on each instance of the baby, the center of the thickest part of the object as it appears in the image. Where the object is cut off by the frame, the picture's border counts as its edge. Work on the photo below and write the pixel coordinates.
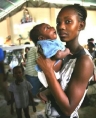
(45, 38)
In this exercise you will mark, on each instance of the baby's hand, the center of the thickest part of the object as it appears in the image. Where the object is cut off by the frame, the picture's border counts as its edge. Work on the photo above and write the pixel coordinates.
(68, 51)
(42, 97)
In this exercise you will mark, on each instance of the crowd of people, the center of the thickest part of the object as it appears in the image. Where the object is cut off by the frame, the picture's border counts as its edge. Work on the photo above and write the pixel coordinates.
(64, 95)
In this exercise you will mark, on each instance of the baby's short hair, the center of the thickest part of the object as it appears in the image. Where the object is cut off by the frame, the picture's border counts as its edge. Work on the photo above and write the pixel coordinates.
(35, 33)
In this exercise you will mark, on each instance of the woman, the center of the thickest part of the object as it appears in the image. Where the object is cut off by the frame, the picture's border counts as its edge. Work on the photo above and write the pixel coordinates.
(67, 96)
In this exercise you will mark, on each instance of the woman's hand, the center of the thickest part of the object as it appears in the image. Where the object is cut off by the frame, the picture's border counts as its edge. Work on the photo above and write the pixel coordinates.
(45, 64)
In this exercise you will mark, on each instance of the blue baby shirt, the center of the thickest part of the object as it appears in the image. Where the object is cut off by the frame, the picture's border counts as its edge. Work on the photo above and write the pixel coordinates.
(50, 48)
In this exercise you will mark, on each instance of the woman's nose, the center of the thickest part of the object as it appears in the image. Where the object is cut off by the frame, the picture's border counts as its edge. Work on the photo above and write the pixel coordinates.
(62, 26)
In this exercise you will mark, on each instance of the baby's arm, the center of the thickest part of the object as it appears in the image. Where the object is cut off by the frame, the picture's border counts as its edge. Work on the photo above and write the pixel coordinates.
(58, 65)
(62, 54)
(59, 56)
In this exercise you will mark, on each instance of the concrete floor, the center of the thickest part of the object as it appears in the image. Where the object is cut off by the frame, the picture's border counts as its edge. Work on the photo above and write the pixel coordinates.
(5, 110)
(86, 112)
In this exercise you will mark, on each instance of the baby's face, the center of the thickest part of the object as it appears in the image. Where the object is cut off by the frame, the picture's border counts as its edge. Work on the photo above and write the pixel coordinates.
(48, 32)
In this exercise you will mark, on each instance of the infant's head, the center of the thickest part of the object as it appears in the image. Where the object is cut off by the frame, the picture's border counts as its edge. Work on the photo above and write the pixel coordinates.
(42, 31)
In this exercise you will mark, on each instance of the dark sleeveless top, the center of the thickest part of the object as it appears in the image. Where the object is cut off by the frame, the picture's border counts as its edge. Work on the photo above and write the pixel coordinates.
(68, 65)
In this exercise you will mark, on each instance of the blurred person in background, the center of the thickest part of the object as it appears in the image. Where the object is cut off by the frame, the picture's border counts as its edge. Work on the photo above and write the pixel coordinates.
(3, 77)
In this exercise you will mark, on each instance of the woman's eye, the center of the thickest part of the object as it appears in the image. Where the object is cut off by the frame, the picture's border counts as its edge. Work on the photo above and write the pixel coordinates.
(68, 21)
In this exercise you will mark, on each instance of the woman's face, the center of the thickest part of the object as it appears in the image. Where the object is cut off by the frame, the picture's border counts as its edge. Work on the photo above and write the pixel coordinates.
(68, 24)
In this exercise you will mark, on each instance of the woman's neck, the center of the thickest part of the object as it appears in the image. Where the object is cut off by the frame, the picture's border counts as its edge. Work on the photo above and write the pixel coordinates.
(74, 48)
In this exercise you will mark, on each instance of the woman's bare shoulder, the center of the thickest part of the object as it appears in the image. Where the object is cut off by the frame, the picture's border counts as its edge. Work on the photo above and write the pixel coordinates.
(84, 66)
(85, 60)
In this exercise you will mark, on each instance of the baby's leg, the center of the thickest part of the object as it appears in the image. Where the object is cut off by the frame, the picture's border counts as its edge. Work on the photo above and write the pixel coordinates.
(58, 65)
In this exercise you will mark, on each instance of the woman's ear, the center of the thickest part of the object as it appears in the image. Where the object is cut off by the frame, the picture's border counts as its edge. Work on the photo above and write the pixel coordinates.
(81, 26)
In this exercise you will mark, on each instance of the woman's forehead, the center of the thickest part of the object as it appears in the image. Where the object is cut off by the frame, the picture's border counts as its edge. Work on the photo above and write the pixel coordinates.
(67, 14)
(67, 11)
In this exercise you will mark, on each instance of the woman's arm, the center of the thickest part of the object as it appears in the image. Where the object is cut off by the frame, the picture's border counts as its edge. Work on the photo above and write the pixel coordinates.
(68, 100)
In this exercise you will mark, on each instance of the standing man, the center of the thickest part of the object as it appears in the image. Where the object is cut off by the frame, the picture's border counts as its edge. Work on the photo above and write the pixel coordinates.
(30, 72)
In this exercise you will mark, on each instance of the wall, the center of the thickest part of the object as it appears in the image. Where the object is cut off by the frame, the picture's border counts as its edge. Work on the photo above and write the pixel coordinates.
(39, 15)
(90, 29)
(47, 15)
(3, 31)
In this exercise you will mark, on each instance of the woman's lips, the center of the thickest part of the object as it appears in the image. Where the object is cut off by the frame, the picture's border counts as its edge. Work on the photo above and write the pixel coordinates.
(63, 34)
